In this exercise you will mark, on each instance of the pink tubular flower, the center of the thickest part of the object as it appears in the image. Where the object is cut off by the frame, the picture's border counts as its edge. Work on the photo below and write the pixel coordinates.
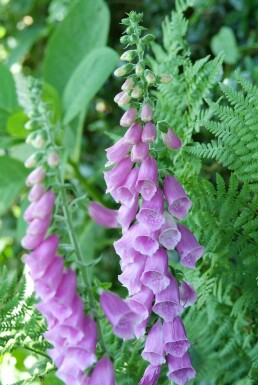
(36, 192)
(127, 214)
(167, 303)
(149, 133)
(117, 176)
(188, 248)
(104, 369)
(178, 203)
(44, 206)
(129, 117)
(119, 314)
(126, 193)
(146, 113)
(144, 243)
(171, 140)
(175, 340)
(187, 294)
(180, 369)
(140, 152)
(148, 178)
(151, 375)
(36, 176)
(153, 350)
(169, 234)
(133, 134)
(155, 272)
(117, 152)
(130, 278)
(141, 302)
(102, 215)
(151, 212)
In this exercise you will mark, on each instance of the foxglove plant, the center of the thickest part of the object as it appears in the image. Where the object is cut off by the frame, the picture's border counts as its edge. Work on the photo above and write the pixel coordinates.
(72, 334)
(151, 206)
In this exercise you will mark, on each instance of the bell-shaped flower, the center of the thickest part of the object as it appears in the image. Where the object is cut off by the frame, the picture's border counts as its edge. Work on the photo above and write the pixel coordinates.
(146, 113)
(155, 272)
(127, 214)
(149, 133)
(169, 235)
(140, 152)
(39, 226)
(46, 286)
(153, 350)
(44, 206)
(39, 260)
(148, 178)
(187, 294)
(175, 340)
(128, 117)
(133, 134)
(140, 329)
(141, 302)
(102, 215)
(123, 246)
(151, 212)
(178, 203)
(36, 192)
(167, 303)
(180, 369)
(188, 248)
(145, 243)
(36, 176)
(119, 314)
(117, 176)
(30, 241)
(117, 152)
(130, 277)
(104, 369)
(171, 140)
(151, 375)
(126, 193)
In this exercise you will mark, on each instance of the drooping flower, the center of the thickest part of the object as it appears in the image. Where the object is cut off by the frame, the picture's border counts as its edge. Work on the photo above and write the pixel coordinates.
(171, 140)
(148, 178)
(104, 369)
(178, 203)
(151, 375)
(153, 350)
(180, 369)
(102, 215)
(187, 294)
(175, 340)
(188, 248)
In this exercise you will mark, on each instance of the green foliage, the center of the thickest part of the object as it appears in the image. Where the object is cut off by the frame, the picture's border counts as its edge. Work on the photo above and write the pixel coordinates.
(235, 126)
(11, 181)
(8, 100)
(87, 79)
(84, 29)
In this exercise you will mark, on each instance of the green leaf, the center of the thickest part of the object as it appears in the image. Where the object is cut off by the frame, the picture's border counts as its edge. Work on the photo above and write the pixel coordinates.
(8, 99)
(15, 125)
(83, 29)
(225, 42)
(12, 179)
(87, 79)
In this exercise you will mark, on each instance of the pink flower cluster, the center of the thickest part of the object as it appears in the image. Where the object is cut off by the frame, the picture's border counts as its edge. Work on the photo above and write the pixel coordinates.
(148, 216)
(72, 334)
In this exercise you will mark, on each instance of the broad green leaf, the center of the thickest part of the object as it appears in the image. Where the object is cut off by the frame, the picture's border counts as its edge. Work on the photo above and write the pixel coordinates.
(87, 79)
(225, 41)
(8, 98)
(12, 179)
(83, 29)
(25, 40)
(15, 125)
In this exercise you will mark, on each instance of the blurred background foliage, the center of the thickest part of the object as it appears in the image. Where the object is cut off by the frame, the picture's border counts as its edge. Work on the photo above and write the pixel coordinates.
(72, 45)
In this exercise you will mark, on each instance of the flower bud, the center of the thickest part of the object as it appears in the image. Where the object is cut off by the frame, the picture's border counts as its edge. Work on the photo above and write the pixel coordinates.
(124, 100)
(38, 141)
(123, 70)
(31, 161)
(149, 76)
(129, 117)
(136, 92)
(36, 176)
(171, 140)
(165, 78)
(128, 55)
(139, 68)
(29, 125)
(147, 39)
(146, 113)
(125, 40)
(53, 159)
(128, 85)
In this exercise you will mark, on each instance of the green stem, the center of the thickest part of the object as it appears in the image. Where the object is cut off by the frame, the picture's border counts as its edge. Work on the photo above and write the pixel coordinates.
(35, 351)
(91, 191)
(75, 243)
